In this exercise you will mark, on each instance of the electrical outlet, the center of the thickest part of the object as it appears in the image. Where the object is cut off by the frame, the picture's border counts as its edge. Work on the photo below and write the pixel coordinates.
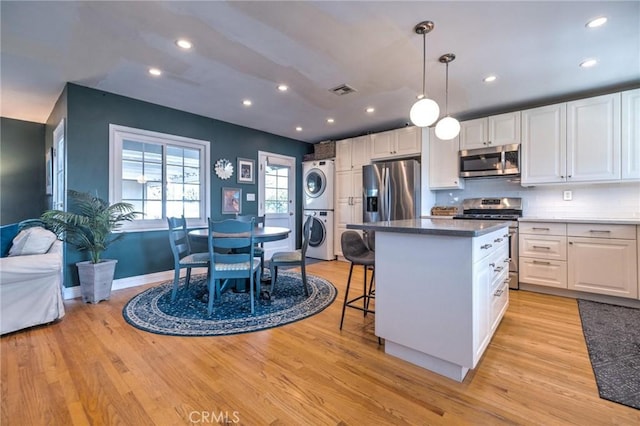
(567, 195)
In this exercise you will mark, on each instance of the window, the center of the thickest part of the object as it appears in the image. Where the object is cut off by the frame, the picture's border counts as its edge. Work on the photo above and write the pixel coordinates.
(276, 189)
(161, 175)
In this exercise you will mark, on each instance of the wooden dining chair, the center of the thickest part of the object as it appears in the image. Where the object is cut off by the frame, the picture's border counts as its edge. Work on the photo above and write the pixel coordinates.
(182, 256)
(231, 255)
(293, 258)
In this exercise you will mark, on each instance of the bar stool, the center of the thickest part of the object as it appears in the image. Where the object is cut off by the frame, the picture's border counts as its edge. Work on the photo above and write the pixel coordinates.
(356, 251)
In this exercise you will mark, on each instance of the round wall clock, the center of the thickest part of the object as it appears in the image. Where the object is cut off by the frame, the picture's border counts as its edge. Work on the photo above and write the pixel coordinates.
(223, 168)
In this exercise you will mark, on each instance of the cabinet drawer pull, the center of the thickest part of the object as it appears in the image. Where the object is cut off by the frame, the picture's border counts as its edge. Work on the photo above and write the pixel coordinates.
(540, 229)
(498, 293)
(497, 240)
(507, 260)
(600, 231)
(537, 262)
(542, 247)
(498, 269)
(486, 246)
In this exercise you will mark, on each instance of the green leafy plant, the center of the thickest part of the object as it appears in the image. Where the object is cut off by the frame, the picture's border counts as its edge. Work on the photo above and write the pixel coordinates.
(89, 223)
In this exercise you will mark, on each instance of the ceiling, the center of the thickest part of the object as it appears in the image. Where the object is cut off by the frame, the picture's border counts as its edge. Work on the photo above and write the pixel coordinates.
(243, 50)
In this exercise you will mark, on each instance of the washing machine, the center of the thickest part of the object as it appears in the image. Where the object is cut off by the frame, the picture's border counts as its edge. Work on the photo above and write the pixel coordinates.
(321, 241)
(317, 180)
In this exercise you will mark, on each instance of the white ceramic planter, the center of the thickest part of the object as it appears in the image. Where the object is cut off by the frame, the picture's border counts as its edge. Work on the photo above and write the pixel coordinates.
(96, 279)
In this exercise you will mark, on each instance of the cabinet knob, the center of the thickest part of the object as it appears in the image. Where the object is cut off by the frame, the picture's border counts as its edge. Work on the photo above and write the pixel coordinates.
(569, 176)
(455, 181)
(561, 177)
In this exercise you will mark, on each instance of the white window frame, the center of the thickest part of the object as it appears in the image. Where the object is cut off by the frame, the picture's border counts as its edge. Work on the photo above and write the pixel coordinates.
(117, 134)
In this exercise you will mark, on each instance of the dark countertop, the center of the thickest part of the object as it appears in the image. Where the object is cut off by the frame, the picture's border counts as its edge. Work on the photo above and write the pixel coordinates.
(450, 227)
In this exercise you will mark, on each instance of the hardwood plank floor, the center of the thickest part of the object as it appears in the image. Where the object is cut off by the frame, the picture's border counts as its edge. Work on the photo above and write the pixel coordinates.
(93, 368)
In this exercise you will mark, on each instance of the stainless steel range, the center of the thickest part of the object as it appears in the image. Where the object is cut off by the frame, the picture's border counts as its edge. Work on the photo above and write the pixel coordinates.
(507, 209)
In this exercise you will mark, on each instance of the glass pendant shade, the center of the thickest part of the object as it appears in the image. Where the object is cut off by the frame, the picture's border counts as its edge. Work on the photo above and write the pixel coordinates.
(424, 112)
(447, 128)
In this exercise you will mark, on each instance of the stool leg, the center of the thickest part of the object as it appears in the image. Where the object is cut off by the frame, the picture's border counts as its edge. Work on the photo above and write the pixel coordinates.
(346, 295)
(373, 272)
(365, 299)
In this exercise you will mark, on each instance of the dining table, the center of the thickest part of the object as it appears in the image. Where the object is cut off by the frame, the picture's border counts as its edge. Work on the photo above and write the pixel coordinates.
(261, 234)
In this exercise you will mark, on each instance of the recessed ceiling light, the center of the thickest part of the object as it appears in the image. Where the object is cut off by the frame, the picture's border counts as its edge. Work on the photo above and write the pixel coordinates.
(370, 110)
(298, 129)
(589, 63)
(155, 71)
(283, 87)
(330, 120)
(596, 22)
(184, 44)
(489, 79)
(246, 102)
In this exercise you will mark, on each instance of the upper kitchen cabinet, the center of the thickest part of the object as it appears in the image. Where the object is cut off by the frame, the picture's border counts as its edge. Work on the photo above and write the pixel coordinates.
(444, 168)
(576, 141)
(593, 139)
(352, 153)
(631, 134)
(544, 145)
(403, 142)
(502, 129)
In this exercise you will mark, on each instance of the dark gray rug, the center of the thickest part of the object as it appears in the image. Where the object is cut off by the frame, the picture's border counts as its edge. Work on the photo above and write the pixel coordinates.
(612, 334)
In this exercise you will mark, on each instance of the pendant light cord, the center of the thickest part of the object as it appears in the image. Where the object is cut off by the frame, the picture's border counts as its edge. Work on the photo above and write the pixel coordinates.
(424, 63)
(446, 93)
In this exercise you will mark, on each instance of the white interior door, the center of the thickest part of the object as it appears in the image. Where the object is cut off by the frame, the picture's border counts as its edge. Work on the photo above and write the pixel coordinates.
(276, 197)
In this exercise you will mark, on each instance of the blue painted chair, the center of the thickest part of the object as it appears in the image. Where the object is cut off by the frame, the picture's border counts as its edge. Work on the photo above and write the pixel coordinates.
(232, 256)
(258, 250)
(293, 258)
(182, 256)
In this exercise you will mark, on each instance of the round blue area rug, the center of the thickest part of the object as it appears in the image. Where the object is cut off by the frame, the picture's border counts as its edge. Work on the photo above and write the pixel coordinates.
(153, 311)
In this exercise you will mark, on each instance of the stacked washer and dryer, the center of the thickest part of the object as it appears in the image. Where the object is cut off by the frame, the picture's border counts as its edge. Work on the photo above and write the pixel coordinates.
(318, 179)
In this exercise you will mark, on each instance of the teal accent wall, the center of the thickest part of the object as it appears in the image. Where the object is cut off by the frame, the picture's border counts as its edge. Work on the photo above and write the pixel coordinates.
(22, 170)
(89, 113)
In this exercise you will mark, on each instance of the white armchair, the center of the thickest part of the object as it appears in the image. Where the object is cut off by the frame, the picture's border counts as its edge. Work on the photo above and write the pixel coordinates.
(30, 289)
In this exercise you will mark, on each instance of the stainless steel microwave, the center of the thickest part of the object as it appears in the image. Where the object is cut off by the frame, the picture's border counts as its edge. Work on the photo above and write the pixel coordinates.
(503, 160)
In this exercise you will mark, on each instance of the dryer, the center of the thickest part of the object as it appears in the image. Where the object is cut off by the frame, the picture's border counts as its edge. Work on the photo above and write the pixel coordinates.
(321, 241)
(317, 181)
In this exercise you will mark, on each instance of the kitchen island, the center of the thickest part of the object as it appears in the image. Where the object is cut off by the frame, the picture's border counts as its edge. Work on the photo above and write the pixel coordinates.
(441, 289)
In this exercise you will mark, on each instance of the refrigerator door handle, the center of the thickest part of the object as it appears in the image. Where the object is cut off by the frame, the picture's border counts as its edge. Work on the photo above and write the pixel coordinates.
(387, 195)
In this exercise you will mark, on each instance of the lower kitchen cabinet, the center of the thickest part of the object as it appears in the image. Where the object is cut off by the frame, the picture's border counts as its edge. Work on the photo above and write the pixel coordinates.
(603, 265)
(543, 254)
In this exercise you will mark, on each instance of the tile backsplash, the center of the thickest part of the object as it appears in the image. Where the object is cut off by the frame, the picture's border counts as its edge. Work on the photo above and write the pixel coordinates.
(602, 200)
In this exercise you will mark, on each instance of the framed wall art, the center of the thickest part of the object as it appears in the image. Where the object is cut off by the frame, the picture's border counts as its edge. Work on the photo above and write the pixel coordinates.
(246, 170)
(231, 200)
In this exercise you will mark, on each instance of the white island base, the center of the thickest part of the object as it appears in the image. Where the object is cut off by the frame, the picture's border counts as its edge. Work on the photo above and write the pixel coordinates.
(439, 298)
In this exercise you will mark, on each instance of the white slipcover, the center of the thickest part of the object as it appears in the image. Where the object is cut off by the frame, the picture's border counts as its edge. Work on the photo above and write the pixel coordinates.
(31, 289)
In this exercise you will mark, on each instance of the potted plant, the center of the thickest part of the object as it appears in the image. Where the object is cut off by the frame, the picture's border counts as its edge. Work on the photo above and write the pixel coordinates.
(89, 226)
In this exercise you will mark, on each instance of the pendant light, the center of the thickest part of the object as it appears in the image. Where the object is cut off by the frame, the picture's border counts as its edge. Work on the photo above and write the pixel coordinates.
(448, 127)
(425, 111)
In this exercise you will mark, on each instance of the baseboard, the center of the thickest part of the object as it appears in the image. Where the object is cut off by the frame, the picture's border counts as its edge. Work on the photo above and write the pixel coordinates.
(122, 283)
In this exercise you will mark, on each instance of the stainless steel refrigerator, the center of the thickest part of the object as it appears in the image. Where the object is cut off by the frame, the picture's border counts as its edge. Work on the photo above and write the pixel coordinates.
(391, 190)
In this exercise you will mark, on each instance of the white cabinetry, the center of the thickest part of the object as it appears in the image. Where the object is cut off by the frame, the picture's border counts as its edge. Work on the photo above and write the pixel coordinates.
(403, 142)
(593, 139)
(444, 167)
(351, 155)
(544, 144)
(631, 134)
(543, 254)
(576, 141)
(603, 259)
(441, 320)
(502, 129)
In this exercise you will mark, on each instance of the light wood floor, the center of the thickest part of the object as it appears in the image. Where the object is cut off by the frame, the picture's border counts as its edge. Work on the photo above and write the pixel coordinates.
(93, 368)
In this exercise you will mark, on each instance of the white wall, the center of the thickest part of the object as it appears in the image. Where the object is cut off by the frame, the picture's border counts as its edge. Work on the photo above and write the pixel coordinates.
(610, 200)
